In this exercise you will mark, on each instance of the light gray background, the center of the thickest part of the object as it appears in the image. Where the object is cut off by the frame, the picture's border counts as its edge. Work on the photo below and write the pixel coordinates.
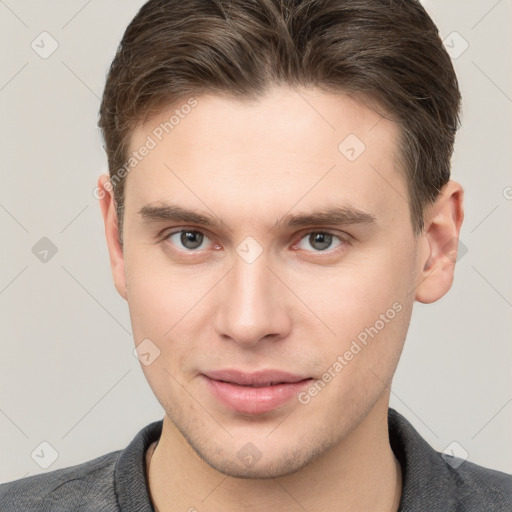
(68, 375)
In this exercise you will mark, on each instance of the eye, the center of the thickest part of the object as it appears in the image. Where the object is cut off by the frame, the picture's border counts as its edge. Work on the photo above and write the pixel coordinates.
(188, 239)
(319, 241)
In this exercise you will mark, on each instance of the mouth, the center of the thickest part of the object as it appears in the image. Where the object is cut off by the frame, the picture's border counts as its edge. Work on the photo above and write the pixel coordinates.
(255, 385)
(255, 379)
(256, 392)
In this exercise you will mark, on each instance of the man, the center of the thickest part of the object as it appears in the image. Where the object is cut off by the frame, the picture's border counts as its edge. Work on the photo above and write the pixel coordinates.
(279, 197)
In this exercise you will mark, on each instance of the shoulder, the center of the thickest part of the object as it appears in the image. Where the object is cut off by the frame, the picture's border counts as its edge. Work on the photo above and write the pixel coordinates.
(86, 486)
(111, 482)
(481, 488)
(437, 481)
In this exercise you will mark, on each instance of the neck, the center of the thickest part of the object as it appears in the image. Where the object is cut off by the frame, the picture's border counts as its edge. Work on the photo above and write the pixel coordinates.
(359, 474)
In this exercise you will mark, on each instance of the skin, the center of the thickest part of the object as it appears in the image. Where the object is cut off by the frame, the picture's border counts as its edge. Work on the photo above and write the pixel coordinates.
(295, 308)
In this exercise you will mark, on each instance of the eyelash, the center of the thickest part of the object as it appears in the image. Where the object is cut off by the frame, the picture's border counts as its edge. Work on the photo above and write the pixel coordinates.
(343, 240)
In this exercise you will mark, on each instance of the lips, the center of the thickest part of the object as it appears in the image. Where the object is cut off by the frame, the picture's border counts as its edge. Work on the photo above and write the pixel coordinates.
(256, 379)
(255, 392)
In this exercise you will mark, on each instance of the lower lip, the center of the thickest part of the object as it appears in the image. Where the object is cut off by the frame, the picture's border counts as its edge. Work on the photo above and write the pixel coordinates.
(254, 400)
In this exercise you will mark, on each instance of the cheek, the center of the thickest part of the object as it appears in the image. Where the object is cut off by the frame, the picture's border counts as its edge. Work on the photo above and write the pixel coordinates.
(158, 301)
(367, 305)
(158, 295)
(358, 364)
(167, 306)
(352, 295)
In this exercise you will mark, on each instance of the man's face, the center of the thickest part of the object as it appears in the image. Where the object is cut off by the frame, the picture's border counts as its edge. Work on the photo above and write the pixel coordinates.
(261, 286)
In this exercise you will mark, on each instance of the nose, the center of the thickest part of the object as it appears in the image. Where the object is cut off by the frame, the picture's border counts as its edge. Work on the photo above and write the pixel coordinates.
(251, 304)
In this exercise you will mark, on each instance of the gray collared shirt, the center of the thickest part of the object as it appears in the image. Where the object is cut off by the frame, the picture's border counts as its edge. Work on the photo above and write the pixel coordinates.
(117, 481)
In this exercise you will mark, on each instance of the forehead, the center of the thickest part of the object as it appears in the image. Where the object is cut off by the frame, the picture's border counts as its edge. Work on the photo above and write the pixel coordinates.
(288, 147)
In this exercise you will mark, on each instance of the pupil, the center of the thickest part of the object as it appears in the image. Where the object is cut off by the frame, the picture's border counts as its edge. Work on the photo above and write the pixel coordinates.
(320, 241)
(191, 239)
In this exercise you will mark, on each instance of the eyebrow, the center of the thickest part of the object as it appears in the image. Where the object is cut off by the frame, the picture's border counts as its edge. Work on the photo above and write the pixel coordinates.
(338, 215)
(174, 213)
(328, 215)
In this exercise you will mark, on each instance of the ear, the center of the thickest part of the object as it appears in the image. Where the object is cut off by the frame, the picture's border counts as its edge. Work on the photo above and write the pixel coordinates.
(440, 240)
(105, 195)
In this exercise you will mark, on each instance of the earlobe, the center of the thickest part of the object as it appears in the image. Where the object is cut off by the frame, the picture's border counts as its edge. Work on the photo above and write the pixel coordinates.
(439, 244)
(108, 211)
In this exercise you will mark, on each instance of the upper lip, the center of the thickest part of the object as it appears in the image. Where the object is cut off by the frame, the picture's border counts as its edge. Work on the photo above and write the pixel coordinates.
(258, 378)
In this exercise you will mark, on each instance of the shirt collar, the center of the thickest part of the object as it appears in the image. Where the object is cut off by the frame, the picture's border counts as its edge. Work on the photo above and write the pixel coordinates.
(421, 466)
(131, 486)
(420, 463)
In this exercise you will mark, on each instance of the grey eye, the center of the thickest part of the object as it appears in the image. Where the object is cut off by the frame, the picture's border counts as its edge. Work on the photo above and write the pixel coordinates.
(191, 239)
(188, 239)
(320, 241)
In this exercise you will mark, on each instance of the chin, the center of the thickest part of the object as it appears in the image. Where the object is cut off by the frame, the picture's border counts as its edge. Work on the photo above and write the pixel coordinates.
(260, 469)
(262, 459)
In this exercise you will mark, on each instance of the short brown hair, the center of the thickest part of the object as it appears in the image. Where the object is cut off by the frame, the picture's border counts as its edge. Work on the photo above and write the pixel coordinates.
(386, 50)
